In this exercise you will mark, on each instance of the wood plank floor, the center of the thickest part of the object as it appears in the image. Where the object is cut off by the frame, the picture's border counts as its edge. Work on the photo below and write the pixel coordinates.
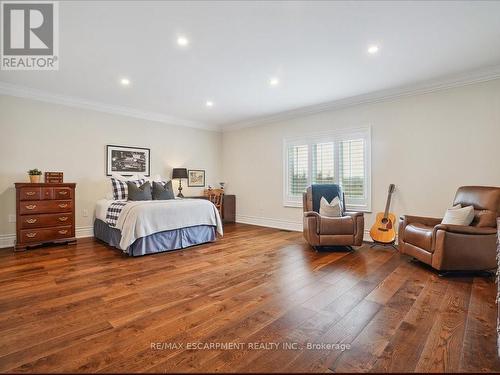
(87, 308)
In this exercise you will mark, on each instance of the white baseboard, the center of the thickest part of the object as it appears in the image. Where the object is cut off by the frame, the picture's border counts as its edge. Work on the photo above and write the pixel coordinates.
(82, 232)
(284, 224)
(366, 236)
(9, 240)
(270, 223)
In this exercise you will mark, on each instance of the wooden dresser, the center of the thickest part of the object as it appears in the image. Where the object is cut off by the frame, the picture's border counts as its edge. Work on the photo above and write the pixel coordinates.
(45, 213)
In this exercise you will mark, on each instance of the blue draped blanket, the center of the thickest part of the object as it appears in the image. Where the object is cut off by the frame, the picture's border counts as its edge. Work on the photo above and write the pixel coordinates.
(329, 191)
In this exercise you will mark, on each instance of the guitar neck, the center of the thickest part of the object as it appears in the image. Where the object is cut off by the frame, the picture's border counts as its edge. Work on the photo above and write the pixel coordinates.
(387, 205)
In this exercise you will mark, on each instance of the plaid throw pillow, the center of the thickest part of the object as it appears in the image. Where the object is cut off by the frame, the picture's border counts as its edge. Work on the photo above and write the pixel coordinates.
(120, 189)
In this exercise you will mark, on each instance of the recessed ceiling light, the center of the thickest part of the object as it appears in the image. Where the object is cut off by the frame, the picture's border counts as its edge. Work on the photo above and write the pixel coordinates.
(274, 81)
(209, 103)
(125, 81)
(372, 50)
(182, 41)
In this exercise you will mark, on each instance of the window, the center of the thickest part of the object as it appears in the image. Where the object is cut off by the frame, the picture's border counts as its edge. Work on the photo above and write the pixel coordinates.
(340, 157)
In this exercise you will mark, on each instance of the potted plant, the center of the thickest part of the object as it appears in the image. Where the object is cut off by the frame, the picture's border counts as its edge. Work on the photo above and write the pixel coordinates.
(34, 175)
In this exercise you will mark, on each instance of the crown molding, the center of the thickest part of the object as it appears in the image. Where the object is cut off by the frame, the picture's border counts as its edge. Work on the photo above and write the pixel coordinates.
(447, 82)
(426, 87)
(45, 96)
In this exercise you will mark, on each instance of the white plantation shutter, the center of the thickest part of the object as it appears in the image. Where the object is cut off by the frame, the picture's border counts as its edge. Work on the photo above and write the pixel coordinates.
(352, 168)
(341, 157)
(298, 166)
(322, 163)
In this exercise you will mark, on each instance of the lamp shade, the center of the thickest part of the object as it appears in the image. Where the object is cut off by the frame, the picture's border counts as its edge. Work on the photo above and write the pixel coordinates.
(179, 173)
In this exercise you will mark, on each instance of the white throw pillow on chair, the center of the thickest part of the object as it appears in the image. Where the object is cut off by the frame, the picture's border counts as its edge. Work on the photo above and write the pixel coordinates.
(332, 209)
(459, 216)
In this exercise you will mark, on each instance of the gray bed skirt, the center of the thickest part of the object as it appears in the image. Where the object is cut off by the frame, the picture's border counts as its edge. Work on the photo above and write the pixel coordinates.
(163, 241)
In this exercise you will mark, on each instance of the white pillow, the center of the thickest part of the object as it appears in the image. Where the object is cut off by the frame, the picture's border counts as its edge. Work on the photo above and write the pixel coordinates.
(459, 216)
(332, 209)
(151, 179)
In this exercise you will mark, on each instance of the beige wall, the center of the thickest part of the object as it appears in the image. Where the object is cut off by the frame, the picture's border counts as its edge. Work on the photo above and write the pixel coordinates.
(58, 138)
(427, 145)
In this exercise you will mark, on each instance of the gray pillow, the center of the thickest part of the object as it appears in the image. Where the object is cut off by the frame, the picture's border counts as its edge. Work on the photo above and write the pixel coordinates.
(139, 193)
(163, 190)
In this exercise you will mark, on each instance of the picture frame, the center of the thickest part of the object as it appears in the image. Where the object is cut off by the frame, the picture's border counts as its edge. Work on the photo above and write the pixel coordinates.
(196, 178)
(126, 160)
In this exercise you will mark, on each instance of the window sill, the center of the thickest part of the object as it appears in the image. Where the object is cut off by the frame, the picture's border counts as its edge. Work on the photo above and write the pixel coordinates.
(292, 204)
(348, 208)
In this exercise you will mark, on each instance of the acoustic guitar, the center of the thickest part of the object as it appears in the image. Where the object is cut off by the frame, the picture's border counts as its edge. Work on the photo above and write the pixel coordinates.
(383, 230)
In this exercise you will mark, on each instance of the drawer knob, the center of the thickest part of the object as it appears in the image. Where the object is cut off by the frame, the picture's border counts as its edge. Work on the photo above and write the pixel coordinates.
(63, 192)
(31, 206)
(31, 235)
(63, 205)
(64, 231)
(30, 192)
(31, 221)
(63, 218)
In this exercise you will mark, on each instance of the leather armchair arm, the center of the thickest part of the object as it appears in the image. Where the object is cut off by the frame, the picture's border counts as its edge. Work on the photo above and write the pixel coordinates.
(429, 221)
(464, 229)
(353, 214)
(312, 214)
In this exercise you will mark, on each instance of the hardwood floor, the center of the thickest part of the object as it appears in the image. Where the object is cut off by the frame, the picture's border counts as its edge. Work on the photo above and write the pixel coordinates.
(87, 308)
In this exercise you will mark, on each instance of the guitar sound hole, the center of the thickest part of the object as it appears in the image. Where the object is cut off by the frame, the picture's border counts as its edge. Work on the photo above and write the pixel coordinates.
(385, 220)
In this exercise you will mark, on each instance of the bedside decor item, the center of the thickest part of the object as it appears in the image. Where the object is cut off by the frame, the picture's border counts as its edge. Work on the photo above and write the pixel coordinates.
(54, 177)
(179, 174)
(127, 161)
(44, 213)
(196, 178)
(34, 175)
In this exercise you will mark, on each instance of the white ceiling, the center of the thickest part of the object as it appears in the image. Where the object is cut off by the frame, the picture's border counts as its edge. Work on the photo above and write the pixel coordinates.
(317, 49)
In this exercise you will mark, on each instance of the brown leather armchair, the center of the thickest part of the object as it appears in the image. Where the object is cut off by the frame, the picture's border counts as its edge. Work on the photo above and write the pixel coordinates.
(456, 247)
(331, 231)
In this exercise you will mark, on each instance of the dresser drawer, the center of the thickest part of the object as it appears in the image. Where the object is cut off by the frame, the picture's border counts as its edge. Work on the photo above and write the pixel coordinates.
(47, 193)
(30, 194)
(45, 220)
(63, 193)
(49, 234)
(45, 207)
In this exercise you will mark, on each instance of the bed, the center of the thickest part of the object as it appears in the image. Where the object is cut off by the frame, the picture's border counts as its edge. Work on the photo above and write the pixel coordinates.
(148, 227)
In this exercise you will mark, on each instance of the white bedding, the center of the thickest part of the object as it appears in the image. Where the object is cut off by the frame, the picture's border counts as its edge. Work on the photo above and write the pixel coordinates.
(143, 218)
(101, 208)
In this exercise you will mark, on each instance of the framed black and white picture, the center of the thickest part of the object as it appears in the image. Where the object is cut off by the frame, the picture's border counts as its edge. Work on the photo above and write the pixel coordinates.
(196, 178)
(127, 161)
